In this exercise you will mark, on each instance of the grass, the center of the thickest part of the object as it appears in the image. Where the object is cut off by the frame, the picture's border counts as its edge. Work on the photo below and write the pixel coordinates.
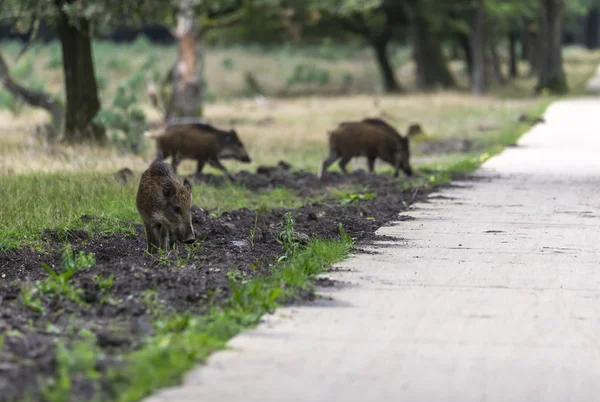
(180, 341)
(58, 201)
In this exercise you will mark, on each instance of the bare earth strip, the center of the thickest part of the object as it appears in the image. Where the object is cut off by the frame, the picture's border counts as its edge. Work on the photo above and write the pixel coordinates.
(491, 293)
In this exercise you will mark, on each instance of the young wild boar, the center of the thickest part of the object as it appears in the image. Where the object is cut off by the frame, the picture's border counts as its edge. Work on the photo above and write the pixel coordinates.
(165, 207)
(373, 138)
(201, 142)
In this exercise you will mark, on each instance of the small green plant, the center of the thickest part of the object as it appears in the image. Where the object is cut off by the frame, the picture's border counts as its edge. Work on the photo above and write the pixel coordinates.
(125, 122)
(253, 230)
(79, 359)
(228, 63)
(104, 283)
(151, 300)
(30, 299)
(287, 237)
(346, 238)
(59, 284)
(75, 262)
(252, 297)
(191, 253)
(352, 198)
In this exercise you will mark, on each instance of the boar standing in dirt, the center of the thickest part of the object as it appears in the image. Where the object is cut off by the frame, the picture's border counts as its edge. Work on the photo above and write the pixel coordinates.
(201, 142)
(165, 207)
(372, 138)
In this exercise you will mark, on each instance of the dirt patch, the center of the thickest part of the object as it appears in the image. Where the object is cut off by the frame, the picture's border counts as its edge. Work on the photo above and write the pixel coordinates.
(239, 241)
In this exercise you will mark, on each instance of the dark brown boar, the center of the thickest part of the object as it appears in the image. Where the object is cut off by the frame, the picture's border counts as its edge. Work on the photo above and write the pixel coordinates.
(202, 142)
(372, 138)
(165, 207)
(413, 129)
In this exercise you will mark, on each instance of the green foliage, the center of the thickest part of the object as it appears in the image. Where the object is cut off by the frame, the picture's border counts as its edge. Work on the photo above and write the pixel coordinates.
(287, 237)
(308, 73)
(59, 283)
(228, 63)
(54, 61)
(7, 101)
(30, 299)
(182, 340)
(125, 122)
(79, 359)
(104, 283)
(352, 198)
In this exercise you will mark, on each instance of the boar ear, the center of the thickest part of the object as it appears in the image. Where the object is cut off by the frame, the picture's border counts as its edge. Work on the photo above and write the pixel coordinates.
(169, 189)
(187, 184)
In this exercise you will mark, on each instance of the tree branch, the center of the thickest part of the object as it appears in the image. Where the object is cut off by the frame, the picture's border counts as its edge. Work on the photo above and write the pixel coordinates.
(31, 97)
(223, 12)
(223, 22)
(357, 25)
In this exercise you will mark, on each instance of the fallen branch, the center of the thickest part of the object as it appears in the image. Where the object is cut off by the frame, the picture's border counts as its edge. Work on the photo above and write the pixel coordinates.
(33, 98)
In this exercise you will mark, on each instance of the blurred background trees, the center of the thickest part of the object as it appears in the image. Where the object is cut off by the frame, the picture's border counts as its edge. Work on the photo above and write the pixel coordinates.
(497, 40)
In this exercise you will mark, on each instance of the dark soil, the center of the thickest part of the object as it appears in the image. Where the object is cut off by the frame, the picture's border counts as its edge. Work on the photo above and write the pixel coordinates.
(120, 315)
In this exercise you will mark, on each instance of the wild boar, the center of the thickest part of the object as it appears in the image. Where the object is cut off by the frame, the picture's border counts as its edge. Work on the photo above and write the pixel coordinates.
(201, 142)
(165, 207)
(373, 138)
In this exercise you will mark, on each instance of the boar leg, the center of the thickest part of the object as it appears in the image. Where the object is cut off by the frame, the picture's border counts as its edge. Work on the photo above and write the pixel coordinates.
(215, 162)
(164, 238)
(333, 156)
(151, 238)
(176, 161)
(199, 168)
(371, 163)
(343, 163)
(397, 168)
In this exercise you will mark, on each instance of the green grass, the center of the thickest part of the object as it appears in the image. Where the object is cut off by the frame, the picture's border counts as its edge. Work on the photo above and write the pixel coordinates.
(181, 341)
(34, 202)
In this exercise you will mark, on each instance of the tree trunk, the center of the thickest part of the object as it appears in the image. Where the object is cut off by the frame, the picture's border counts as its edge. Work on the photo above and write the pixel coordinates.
(496, 65)
(533, 54)
(479, 78)
(551, 72)
(390, 83)
(31, 97)
(188, 73)
(591, 26)
(431, 66)
(463, 41)
(81, 89)
(525, 43)
(513, 68)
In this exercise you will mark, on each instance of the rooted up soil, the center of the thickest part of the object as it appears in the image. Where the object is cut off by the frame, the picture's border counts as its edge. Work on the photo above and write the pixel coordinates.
(121, 315)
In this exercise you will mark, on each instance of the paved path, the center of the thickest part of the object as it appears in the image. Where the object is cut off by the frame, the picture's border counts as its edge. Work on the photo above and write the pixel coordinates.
(491, 294)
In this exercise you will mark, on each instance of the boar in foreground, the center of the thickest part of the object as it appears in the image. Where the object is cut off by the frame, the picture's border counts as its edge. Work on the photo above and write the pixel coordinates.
(201, 142)
(165, 207)
(372, 138)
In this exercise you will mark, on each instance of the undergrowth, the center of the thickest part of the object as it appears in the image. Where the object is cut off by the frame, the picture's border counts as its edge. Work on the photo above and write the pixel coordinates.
(180, 341)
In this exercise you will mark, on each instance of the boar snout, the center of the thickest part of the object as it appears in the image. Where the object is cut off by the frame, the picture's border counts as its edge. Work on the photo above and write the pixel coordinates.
(190, 236)
(246, 159)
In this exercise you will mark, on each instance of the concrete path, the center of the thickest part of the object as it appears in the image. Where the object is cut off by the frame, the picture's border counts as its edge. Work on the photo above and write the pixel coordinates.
(492, 293)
